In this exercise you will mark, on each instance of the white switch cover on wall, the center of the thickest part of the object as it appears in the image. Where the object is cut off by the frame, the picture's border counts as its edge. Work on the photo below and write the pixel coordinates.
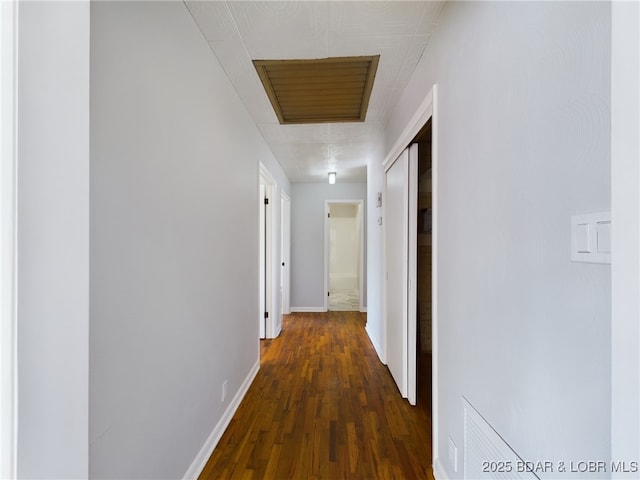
(604, 237)
(583, 244)
(591, 238)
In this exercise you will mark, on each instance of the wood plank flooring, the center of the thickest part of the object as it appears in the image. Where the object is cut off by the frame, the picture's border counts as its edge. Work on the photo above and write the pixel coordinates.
(323, 406)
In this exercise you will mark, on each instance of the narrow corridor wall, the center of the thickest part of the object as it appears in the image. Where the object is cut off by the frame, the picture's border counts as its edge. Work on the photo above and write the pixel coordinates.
(174, 240)
(523, 143)
(307, 239)
(53, 239)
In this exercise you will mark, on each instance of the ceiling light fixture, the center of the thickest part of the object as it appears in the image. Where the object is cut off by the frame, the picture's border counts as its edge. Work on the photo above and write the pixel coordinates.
(332, 178)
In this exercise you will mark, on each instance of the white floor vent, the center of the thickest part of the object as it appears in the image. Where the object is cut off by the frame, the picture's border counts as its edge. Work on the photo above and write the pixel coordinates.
(486, 455)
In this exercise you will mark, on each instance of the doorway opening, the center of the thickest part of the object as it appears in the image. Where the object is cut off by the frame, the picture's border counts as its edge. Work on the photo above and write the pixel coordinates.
(266, 310)
(285, 253)
(424, 261)
(344, 246)
(403, 344)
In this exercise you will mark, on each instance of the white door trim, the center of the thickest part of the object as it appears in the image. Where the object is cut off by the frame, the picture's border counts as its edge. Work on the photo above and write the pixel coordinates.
(362, 213)
(418, 120)
(625, 239)
(285, 215)
(435, 420)
(8, 244)
(272, 251)
(412, 272)
(263, 275)
(360, 204)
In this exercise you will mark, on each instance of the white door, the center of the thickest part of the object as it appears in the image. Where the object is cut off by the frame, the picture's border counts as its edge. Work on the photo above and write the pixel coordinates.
(396, 218)
(400, 265)
(269, 303)
(263, 262)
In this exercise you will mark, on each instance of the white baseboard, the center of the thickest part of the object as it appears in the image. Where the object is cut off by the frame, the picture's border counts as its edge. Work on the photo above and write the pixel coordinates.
(196, 467)
(363, 310)
(439, 473)
(309, 309)
(375, 345)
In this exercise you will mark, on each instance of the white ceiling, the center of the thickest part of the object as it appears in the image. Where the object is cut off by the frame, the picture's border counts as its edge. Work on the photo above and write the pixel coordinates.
(241, 31)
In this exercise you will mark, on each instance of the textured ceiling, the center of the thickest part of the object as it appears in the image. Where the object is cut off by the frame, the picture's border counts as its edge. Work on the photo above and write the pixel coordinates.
(241, 31)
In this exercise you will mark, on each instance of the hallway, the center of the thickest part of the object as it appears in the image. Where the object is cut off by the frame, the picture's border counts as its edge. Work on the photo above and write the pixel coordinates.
(323, 406)
(130, 325)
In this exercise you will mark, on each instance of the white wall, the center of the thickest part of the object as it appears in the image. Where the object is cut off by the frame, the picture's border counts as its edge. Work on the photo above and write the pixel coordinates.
(174, 240)
(53, 239)
(375, 274)
(307, 239)
(625, 182)
(524, 119)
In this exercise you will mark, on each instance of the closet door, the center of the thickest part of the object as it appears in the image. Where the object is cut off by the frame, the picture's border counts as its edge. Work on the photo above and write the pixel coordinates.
(400, 245)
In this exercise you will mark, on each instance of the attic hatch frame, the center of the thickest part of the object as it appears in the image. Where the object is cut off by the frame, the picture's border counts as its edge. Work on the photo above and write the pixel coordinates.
(326, 90)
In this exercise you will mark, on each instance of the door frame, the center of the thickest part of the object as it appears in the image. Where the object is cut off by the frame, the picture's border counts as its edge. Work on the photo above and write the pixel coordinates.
(8, 242)
(360, 204)
(270, 276)
(625, 215)
(285, 251)
(412, 271)
(427, 109)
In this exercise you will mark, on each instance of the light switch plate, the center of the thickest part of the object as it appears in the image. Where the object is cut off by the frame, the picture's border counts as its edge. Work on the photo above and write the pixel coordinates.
(583, 238)
(591, 238)
(603, 234)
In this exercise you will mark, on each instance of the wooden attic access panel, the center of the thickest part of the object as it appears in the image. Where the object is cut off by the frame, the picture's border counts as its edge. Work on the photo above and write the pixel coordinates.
(319, 91)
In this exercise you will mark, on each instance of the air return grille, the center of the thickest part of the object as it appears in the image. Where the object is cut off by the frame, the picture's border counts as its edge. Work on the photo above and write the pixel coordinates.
(486, 455)
(319, 91)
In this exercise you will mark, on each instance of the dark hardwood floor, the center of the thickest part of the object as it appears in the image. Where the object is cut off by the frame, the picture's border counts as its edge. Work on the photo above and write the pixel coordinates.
(323, 406)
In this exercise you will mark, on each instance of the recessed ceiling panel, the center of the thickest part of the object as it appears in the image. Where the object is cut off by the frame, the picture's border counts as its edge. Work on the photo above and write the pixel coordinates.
(319, 91)
(398, 31)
